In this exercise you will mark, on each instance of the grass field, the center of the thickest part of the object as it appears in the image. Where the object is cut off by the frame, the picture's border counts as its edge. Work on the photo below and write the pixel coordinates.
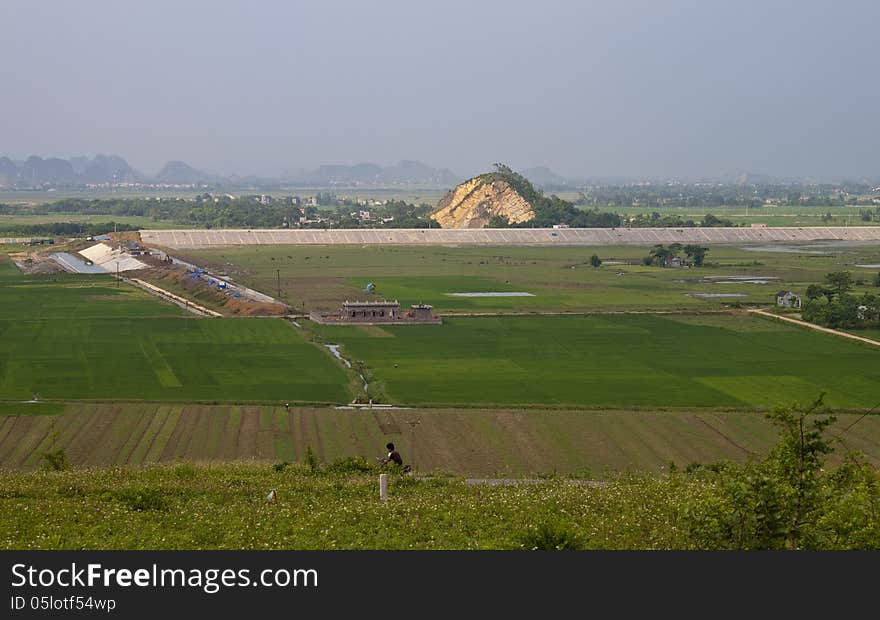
(75, 337)
(559, 278)
(499, 442)
(613, 360)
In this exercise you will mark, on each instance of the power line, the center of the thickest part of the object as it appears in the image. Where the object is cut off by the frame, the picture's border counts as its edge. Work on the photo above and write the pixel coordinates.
(869, 411)
(840, 435)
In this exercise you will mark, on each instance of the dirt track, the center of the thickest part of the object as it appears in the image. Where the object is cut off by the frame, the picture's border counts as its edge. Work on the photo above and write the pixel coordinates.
(453, 315)
(186, 304)
(818, 328)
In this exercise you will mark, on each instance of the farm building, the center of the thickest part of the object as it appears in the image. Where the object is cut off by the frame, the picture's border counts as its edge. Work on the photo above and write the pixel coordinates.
(676, 262)
(422, 313)
(362, 310)
(787, 299)
(370, 312)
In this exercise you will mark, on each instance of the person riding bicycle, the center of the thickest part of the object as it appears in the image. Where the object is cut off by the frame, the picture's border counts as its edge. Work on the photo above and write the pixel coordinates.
(394, 457)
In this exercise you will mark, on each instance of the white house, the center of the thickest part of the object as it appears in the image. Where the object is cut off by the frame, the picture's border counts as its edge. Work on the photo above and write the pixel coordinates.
(787, 299)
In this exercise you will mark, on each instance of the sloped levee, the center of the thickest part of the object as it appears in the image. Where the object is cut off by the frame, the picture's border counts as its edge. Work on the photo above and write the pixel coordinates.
(507, 236)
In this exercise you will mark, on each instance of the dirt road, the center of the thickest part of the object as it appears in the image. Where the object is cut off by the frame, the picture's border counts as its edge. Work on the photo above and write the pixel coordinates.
(818, 328)
(177, 300)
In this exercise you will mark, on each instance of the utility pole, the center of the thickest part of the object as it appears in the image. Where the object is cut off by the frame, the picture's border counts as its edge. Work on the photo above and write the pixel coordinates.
(117, 274)
(278, 281)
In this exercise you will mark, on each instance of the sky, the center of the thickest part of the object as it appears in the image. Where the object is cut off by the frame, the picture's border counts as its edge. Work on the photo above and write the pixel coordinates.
(661, 88)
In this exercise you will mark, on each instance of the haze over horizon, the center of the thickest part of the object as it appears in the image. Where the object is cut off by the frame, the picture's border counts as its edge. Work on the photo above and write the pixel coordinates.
(630, 88)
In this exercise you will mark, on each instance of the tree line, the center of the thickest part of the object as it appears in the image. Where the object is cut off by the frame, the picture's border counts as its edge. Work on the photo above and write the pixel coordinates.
(63, 229)
(831, 304)
(661, 255)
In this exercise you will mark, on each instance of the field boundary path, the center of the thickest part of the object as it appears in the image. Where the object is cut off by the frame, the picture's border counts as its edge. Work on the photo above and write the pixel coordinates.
(818, 328)
(171, 297)
(694, 312)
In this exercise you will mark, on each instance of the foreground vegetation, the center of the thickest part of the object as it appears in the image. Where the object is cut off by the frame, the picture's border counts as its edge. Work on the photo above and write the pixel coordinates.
(787, 500)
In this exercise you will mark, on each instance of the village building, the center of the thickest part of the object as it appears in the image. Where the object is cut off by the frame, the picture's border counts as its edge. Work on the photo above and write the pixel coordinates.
(787, 299)
(376, 312)
(368, 310)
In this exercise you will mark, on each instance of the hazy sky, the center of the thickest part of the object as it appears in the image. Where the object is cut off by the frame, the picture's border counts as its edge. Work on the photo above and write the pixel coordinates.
(588, 88)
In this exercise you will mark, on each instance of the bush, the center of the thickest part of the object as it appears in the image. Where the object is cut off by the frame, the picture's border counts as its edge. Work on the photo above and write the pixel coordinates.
(144, 498)
(311, 461)
(185, 471)
(351, 464)
(71, 491)
(789, 500)
(551, 537)
(55, 460)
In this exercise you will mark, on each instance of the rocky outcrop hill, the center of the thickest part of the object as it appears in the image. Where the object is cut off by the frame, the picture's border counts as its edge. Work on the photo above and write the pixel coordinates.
(476, 201)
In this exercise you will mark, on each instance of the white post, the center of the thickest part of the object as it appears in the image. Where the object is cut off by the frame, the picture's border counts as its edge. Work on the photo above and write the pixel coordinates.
(383, 487)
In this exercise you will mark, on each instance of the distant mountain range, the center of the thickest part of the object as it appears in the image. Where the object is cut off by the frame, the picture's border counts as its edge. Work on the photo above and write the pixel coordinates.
(405, 172)
(78, 170)
(112, 169)
(36, 172)
(181, 173)
(547, 179)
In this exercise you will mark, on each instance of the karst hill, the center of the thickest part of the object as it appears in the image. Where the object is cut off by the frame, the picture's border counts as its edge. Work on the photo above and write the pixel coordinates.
(500, 196)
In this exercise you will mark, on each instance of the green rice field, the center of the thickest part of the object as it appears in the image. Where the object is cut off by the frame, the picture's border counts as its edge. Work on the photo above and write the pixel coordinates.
(734, 361)
(85, 337)
(559, 279)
